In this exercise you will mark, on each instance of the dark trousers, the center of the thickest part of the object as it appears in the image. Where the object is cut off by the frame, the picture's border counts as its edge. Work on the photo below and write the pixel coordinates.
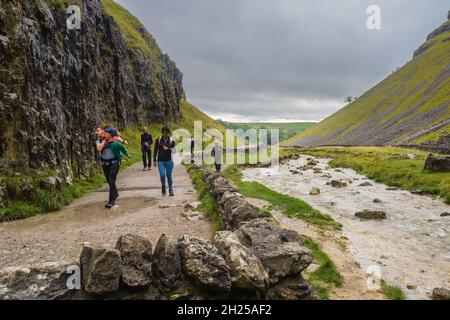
(111, 170)
(147, 157)
(218, 166)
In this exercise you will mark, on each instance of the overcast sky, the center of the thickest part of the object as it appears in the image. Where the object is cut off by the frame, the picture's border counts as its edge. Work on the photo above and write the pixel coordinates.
(273, 60)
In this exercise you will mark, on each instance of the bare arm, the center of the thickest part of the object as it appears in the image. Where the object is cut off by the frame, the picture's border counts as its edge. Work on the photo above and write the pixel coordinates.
(101, 146)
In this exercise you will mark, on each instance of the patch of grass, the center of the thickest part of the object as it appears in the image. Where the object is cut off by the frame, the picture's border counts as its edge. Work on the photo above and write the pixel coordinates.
(290, 206)
(264, 211)
(208, 204)
(46, 201)
(392, 292)
(326, 276)
(390, 166)
(18, 210)
(327, 270)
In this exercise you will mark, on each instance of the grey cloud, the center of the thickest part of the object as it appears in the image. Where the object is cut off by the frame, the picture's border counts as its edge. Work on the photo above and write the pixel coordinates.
(269, 58)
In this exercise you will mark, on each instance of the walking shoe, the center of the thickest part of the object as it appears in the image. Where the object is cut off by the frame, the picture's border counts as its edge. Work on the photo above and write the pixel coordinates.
(171, 193)
(145, 169)
(163, 189)
(110, 205)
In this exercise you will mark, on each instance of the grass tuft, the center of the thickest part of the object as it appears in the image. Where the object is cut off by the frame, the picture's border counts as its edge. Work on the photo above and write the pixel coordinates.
(208, 204)
(392, 292)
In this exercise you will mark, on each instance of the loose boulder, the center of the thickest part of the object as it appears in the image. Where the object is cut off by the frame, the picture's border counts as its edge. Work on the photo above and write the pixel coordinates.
(441, 294)
(314, 192)
(337, 184)
(437, 164)
(366, 184)
(371, 215)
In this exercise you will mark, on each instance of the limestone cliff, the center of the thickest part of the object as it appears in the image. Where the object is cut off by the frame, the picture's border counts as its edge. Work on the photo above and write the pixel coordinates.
(56, 84)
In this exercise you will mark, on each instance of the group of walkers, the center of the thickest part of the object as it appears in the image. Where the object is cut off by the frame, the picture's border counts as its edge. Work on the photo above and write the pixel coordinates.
(112, 147)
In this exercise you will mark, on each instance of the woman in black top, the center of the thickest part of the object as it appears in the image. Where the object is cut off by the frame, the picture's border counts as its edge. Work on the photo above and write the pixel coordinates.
(163, 159)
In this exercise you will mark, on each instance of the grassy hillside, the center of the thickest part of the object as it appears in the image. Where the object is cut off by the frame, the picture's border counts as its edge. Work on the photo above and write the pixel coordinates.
(411, 106)
(287, 130)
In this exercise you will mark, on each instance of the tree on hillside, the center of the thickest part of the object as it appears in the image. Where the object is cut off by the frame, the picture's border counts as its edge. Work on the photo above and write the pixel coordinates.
(350, 99)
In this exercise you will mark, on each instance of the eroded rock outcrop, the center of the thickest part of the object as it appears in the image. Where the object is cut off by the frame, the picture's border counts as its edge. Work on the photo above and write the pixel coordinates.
(57, 84)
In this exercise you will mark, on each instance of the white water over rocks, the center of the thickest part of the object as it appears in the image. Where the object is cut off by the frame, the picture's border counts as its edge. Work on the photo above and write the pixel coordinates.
(412, 246)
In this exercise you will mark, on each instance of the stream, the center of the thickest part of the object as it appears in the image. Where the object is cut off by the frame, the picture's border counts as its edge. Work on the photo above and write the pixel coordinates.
(411, 247)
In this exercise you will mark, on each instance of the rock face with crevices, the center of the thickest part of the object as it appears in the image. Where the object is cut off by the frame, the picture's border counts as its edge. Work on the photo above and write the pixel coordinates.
(203, 263)
(246, 270)
(100, 270)
(136, 254)
(57, 84)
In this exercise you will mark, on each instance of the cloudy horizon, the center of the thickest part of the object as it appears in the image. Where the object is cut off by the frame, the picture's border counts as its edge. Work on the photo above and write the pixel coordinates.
(284, 60)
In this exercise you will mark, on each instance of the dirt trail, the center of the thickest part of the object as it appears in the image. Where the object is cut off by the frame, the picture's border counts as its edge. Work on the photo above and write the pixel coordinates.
(355, 279)
(141, 210)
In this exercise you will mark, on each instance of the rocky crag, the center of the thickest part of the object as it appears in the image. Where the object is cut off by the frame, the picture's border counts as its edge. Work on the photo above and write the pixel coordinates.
(252, 259)
(408, 108)
(56, 84)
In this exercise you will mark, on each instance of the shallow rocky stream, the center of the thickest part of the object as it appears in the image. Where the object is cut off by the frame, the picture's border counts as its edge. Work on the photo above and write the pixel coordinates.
(411, 246)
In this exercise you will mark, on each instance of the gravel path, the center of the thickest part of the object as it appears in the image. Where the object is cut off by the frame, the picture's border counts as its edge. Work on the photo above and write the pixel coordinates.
(141, 210)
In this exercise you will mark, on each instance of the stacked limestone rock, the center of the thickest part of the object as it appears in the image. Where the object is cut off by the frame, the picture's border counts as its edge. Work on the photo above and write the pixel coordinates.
(253, 259)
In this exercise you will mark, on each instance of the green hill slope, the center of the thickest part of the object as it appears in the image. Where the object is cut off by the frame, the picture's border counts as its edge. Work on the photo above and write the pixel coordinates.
(409, 107)
(286, 130)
